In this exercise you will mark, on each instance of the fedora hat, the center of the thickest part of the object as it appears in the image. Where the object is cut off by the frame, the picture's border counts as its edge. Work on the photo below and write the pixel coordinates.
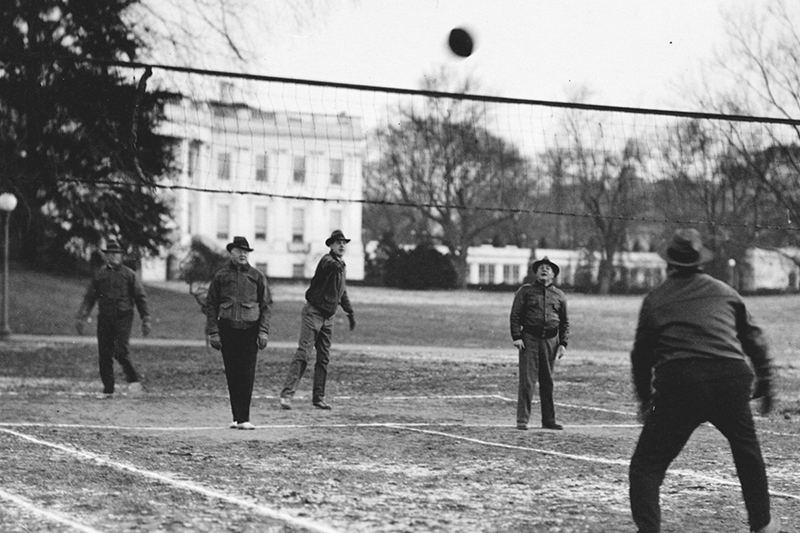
(113, 247)
(686, 249)
(337, 235)
(545, 261)
(239, 242)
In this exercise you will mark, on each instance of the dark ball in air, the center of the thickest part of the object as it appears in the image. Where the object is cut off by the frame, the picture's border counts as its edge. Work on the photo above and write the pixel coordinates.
(461, 42)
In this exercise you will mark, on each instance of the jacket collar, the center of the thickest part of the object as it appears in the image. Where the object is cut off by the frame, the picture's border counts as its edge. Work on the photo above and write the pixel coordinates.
(240, 268)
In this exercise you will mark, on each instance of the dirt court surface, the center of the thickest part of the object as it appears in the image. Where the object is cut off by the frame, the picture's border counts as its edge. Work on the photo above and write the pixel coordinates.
(415, 442)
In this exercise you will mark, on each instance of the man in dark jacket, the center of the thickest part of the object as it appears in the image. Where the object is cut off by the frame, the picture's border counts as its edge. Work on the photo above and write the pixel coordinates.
(116, 290)
(238, 310)
(689, 367)
(328, 290)
(540, 331)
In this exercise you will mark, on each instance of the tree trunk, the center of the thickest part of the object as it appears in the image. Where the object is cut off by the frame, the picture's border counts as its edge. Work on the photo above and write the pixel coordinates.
(605, 277)
(462, 269)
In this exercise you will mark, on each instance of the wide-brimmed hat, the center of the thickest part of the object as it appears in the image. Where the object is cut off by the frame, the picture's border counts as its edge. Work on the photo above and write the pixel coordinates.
(545, 261)
(239, 242)
(337, 235)
(686, 249)
(113, 247)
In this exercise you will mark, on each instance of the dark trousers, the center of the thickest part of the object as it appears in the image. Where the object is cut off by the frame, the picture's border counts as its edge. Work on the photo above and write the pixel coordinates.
(316, 331)
(113, 335)
(536, 362)
(239, 354)
(677, 411)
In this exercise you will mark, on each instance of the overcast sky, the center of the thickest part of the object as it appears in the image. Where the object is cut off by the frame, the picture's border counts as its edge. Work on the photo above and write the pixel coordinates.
(627, 52)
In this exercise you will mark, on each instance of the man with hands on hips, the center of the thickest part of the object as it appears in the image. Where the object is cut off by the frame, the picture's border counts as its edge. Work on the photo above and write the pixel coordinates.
(238, 311)
(540, 331)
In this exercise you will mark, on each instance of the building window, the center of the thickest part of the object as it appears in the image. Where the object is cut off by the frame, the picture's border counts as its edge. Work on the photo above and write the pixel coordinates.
(298, 225)
(485, 273)
(511, 274)
(262, 267)
(337, 171)
(298, 270)
(223, 221)
(194, 159)
(261, 223)
(224, 166)
(261, 167)
(335, 220)
(299, 169)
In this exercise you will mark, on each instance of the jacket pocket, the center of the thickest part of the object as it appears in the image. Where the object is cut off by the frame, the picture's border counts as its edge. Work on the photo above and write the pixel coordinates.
(250, 312)
(226, 310)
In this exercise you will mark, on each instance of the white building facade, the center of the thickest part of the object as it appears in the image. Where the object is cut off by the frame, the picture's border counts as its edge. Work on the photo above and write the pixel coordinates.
(283, 180)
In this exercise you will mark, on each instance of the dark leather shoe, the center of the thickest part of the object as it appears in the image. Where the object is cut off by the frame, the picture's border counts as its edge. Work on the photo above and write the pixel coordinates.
(523, 427)
(554, 426)
(322, 405)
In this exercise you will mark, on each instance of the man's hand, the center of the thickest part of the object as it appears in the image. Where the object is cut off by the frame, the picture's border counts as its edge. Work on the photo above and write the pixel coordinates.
(519, 344)
(763, 391)
(263, 339)
(352, 320)
(561, 351)
(80, 326)
(215, 342)
(147, 327)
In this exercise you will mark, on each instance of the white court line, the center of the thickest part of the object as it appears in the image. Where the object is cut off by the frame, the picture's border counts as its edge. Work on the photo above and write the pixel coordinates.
(291, 426)
(590, 459)
(186, 485)
(44, 513)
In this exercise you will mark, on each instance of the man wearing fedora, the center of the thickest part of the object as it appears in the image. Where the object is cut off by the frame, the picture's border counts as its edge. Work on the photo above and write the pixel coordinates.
(327, 292)
(116, 290)
(238, 311)
(540, 331)
(689, 366)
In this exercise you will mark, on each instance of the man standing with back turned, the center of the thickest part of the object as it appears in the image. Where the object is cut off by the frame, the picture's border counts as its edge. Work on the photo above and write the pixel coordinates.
(540, 331)
(689, 367)
(116, 289)
(328, 291)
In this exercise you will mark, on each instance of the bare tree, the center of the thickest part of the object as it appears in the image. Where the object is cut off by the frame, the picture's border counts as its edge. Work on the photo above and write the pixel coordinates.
(219, 33)
(709, 182)
(459, 178)
(762, 64)
(607, 180)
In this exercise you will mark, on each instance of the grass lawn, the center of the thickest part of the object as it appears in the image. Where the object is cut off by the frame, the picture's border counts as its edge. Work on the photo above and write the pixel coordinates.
(46, 304)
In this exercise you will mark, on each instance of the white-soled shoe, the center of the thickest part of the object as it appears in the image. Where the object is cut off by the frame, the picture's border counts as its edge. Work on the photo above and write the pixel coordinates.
(246, 425)
(105, 396)
(774, 526)
(233, 425)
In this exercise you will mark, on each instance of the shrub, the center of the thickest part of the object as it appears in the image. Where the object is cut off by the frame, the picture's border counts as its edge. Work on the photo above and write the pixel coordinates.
(198, 267)
(421, 268)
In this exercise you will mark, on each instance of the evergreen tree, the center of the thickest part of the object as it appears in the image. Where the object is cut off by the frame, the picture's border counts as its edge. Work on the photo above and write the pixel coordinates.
(78, 140)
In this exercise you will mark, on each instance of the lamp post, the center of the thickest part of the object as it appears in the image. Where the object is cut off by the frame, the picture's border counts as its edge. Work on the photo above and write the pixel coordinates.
(7, 204)
(732, 266)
